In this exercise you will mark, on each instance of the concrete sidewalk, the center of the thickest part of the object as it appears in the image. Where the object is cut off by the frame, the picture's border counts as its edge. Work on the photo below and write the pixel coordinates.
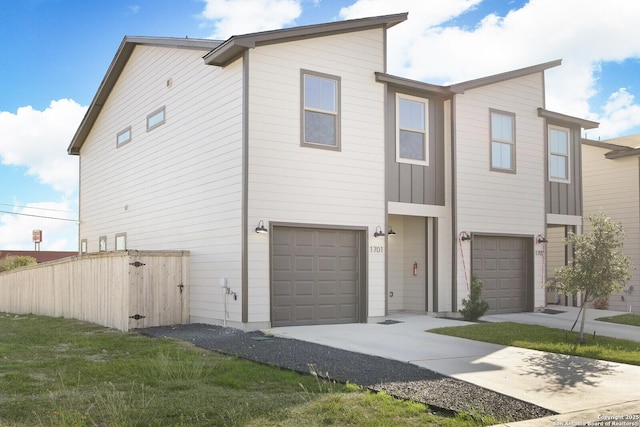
(581, 390)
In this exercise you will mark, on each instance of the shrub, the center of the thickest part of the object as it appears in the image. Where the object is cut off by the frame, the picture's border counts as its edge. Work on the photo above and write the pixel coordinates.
(11, 262)
(474, 307)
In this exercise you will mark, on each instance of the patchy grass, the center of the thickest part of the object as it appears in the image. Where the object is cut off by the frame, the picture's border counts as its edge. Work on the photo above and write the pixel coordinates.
(548, 339)
(623, 319)
(57, 372)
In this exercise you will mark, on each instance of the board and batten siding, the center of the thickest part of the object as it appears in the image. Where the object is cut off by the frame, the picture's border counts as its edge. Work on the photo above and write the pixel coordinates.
(292, 184)
(411, 183)
(499, 203)
(612, 186)
(566, 198)
(178, 186)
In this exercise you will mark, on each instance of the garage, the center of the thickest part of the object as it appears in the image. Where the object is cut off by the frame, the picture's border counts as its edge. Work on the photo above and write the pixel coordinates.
(504, 266)
(317, 276)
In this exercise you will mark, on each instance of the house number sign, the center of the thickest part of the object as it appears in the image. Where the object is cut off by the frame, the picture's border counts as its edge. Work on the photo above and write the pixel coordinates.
(376, 249)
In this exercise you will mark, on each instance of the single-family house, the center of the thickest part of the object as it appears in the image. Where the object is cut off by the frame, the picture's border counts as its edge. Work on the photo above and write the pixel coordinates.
(310, 186)
(612, 186)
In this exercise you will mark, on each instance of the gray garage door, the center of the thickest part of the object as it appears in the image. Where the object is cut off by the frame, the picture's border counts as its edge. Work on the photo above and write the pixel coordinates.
(502, 265)
(315, 276)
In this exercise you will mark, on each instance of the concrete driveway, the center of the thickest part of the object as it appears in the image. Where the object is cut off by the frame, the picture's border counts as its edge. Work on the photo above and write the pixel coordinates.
(581, 390)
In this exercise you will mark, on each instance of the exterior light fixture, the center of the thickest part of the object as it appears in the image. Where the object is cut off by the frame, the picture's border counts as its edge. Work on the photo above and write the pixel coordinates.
(541, 239)
(391, 232)
(464, 236)
(260, 228)
(378, 232)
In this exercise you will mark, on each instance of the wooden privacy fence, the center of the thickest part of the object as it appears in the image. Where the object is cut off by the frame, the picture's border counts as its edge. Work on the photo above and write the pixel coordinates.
(122, 290)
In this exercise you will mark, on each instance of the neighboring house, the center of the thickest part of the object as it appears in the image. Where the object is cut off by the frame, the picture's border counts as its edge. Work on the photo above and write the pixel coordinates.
(612, 185)
(319, 188)
(40, 256)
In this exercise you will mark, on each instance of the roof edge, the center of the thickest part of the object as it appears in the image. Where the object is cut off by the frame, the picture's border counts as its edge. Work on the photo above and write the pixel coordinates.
(496, 78)
(113, 72)
(235, 46)
(429, 88)
(584, 123)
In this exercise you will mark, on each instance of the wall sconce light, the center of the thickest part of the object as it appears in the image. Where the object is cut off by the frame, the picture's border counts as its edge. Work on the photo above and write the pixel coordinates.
(391, 232)
(541, 239)
(464, 236)
(260, 228)
(378, 232)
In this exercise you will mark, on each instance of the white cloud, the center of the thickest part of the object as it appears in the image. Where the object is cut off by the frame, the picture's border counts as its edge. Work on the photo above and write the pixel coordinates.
(57, 235)
(619, 114)
(584, 33)
(233, 17)
(38, 140)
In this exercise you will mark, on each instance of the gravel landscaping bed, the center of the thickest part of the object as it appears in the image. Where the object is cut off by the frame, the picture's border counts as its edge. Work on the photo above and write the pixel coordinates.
(398, 379)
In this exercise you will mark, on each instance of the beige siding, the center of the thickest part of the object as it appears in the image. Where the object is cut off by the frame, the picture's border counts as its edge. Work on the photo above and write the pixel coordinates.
(494, 202)
(612, 187)
(179, 185)
(301, 185)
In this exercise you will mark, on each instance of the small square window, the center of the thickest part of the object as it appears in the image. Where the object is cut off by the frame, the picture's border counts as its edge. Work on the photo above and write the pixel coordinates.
(320, 110)
(102, 244)
(503, 141)
(121, 241)
(123, 137)
(155, 119)
(558, 154)
(412, 139)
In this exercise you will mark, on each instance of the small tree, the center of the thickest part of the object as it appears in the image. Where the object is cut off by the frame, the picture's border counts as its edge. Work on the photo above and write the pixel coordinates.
(475, 307)
(598, 268)
(11, 262)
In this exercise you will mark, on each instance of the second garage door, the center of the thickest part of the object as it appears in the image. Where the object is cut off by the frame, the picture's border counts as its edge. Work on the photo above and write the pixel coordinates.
(316, 276)
(502, 263)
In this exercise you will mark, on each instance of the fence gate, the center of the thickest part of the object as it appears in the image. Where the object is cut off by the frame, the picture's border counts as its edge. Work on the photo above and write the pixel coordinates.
(158, 291)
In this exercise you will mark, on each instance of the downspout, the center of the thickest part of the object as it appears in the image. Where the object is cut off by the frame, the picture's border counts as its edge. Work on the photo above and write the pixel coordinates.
(245, 189)
(454, 212)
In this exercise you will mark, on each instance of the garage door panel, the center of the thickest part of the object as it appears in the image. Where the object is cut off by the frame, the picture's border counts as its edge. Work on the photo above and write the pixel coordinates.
(327, 264)
(501, 263)
(322, 280)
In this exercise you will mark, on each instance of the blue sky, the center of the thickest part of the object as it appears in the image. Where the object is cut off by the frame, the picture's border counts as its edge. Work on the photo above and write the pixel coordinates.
(56, 52)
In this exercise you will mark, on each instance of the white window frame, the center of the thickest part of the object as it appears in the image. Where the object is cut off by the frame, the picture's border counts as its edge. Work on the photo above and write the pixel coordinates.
(304, 108)
(83, 246)
(102, 244)
(121, 242)
(123, 137)
(511, 142)
(152, 118)
(424, 132)
(567, 156)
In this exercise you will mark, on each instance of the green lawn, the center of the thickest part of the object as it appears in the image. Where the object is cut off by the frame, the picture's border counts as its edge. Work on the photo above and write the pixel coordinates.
(623, 319)
(57, 372)
(548, 339)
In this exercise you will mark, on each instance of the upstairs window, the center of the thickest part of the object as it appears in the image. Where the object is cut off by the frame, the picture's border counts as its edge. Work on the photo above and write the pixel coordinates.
(558, 154)
(503, 142)
(155, 119)
(320, 110)
(411, 137)
(123, 137)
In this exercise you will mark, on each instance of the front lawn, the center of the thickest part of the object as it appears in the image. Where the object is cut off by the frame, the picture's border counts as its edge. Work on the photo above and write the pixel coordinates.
(623, 319)
(60, 372)
(548, 339)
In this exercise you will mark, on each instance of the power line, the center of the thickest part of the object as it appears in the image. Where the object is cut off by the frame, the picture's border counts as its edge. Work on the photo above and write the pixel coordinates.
(31, 207)
(40, 216)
